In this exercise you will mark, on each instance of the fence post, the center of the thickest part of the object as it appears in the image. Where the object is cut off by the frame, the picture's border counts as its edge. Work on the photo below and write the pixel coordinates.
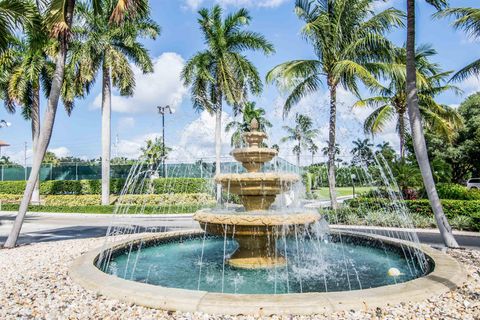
(2, 172)
(51, 169)
(76, 171)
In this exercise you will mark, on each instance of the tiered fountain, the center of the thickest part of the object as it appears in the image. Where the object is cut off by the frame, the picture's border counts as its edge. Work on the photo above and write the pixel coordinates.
(256, 228)
(314, 270)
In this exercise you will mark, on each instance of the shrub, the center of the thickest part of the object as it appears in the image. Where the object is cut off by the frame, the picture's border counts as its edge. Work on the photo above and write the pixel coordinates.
(135, 209)
(452, 208)
(165, 199)
(77, 187)
(457, 192)
(462, 222)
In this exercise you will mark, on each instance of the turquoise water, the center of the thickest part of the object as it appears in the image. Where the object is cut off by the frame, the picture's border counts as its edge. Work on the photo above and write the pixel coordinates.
(313, 266)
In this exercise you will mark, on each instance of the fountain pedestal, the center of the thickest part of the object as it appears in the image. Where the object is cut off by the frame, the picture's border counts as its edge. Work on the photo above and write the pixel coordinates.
(257, 229)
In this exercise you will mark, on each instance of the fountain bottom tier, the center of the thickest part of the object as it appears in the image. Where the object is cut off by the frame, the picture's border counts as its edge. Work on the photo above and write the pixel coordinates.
(255, 233)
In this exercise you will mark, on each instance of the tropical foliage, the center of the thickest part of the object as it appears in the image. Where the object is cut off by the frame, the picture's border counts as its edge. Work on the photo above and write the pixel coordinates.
(302, 135)
(348, 39)
(154, 151)
(248, 112)
(391, 103)
(221, 72)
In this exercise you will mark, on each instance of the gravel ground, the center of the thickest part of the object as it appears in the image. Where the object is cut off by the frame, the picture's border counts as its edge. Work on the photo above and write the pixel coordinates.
(35, 285)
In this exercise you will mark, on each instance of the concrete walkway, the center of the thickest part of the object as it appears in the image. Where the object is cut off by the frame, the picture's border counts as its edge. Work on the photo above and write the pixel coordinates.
(40, 227)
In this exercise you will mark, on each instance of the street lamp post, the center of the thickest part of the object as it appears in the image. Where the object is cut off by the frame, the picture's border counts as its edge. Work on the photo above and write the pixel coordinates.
(162, 110)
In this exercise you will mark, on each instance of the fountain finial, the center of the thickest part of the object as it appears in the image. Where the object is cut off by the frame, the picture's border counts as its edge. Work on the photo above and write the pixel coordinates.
(254, 125)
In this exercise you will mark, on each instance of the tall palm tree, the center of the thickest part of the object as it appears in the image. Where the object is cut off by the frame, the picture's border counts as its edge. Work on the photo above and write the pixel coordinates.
(467, 19)
(221, 72)
(59, 21)
(302, 134)
(313, 148)
(348, 38)
(249, 112)
(108, 49)
(391, 103)
(27, 71)
(416, 126)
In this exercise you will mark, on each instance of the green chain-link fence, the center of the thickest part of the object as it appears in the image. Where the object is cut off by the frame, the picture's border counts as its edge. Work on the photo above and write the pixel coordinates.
(82, 171)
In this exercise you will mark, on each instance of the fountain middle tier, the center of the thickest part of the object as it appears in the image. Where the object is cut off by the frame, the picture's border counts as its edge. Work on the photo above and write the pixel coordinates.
(257, 190)
(256, 233)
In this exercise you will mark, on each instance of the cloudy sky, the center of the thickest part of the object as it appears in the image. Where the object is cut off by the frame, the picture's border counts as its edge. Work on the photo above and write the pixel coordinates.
(191, 134)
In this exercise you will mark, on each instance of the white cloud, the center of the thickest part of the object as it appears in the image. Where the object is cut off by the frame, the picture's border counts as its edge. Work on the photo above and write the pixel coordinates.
(125, 123)
(381, 5)
(60, 152)
(198, 139)
(470, 85)
(195, 4)
(18, 156)
(130, 148)
(163, 86)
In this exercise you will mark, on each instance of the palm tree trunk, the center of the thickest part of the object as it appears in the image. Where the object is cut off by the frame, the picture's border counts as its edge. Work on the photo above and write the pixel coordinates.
(298, 154)
(401, 133)
(331, 146)
(106, 132)
(218, 145)
(45, 130)
(35, 121)
(419, 144)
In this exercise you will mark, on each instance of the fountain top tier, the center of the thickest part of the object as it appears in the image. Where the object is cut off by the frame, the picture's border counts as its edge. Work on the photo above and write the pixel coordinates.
(254, 155)
(256, 190)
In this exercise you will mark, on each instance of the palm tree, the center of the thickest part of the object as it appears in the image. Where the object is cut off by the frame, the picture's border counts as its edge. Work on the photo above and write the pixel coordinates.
(221, 71)
(392, 101)
(59, 21)
(109, 49)
(313, 148)
(362, 151)
(302, 134)
(27, 71)
(249, 112)
(416, 126)
(347, 38)
(154, 151)
(467, 19)
(386, 150)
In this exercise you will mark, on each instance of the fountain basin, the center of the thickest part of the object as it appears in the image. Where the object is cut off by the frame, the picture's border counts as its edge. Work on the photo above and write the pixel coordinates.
(255, 233)
(257, 190)
(446, 274)
(252, 158)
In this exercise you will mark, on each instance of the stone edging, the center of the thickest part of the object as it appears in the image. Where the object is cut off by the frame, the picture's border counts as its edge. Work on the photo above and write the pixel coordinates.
(447, 274)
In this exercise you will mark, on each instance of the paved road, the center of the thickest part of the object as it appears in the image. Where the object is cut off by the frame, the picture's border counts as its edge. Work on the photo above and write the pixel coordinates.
(39, 227)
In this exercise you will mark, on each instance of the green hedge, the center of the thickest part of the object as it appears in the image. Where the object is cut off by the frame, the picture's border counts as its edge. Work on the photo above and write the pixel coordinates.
(137, 199)
(108, 209)
(456, 192)
(57, 187)
(452, 208)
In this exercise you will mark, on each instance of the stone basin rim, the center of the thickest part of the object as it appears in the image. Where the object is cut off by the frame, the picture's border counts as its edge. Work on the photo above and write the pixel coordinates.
(446, 275)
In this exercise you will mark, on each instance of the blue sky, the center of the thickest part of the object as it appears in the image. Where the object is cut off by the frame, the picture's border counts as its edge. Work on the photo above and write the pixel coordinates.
(191, 134)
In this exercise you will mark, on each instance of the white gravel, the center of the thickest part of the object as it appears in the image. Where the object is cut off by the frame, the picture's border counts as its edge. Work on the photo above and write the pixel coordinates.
(34, 284)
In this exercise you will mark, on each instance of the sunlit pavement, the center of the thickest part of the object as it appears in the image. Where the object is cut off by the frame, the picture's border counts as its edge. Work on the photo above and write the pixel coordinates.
(41, 227)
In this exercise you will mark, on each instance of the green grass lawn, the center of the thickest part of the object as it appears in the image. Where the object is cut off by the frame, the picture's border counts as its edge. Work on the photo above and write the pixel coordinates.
(322, 194)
